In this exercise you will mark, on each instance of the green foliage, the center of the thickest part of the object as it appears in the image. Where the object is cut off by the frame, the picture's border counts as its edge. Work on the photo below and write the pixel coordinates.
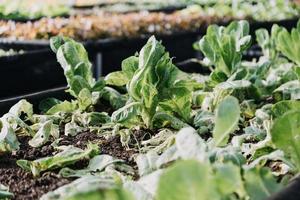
(223, 47)
(90, 187)
(74, 60)
(285, 135)
(268, 42)
(260, 184)
(227, 118)
(155, 83)
(68, 156)
(187, 180)
(4, 192)
(287, 44)
(246, 115)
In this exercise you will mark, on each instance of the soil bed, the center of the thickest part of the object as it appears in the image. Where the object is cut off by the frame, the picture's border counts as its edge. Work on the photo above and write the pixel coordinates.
(26, 187)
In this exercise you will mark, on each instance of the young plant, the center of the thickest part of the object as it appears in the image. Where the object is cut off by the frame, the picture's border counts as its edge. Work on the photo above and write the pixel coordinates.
(268, 41)
(155, 85)
(288, 44)
(74, 60)
(223, 47)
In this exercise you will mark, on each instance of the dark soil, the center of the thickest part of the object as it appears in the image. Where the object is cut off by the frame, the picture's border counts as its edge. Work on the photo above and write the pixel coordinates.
(26, 187)
(29, 153)
(111, 146)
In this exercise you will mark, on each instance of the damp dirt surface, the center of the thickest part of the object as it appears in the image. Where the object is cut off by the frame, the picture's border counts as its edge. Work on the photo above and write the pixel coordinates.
(26, 187)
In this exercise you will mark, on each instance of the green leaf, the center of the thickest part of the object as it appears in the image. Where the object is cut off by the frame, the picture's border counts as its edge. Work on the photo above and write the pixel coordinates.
(223, 46)
(104, 187)
(22, 106)
(99, 85)
(56, 42)
(229, 180)
(8, 138)
(112, 96)
(226, 121)
(126, 113)
(190, 145)
(260, 183)
(42, 136)
(116, 79)
(283, 107)
(68, 156)
(190, 180)
(162, 119)
(77, 84)
(129, 66)
(285, 134)
(157, 80)
(179, 101)
(4, 192)
(287, 43)
(268, 42)
(65, 106)
(74, 60)
(48, 103)
(96, 165)
(84, 99)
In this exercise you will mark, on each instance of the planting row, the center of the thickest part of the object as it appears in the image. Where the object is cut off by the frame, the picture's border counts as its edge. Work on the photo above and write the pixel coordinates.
(153, 131)
(117, 25)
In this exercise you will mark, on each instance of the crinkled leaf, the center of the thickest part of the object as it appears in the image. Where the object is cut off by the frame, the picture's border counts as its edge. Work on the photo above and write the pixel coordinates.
(8, 138)
(22, 106)
(118, 78)
(42, 136)
(68, 156)
(48, 103)
(223, 46)
(126, 113)
(116, 99)
(84, 99)
(65, 106)
(179, 101)
(162, 119)
(96, 164)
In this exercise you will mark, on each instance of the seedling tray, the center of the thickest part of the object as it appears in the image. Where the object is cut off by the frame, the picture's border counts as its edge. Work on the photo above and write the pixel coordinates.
(110, 52)
(29, 72)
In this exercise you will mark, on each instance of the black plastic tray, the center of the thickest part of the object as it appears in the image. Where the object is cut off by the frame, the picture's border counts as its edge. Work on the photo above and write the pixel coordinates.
(114, 51)
(290, 192)
(34, 98)
(29, 72)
